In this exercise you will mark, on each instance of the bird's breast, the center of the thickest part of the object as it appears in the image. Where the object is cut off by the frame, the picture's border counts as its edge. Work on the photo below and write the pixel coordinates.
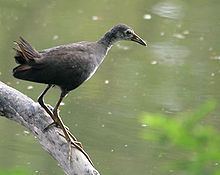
(92, 72)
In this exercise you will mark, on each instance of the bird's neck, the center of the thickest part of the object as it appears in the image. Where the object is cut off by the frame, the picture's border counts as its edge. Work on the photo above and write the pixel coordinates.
(108, 39)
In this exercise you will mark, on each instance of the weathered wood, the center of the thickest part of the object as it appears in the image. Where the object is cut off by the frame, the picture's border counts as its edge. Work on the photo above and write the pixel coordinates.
(16, 106)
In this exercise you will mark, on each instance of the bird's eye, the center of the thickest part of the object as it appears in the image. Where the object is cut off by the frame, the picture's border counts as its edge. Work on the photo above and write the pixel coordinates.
(128, 32)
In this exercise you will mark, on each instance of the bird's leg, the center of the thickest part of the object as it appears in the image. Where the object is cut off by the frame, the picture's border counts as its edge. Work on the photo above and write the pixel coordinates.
(41, 101)
(71, 140)
(57, 118)
(68, 136)
(57, 125)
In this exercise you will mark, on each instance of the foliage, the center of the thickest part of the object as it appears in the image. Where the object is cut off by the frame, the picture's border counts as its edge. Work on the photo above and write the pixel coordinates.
(187, 134)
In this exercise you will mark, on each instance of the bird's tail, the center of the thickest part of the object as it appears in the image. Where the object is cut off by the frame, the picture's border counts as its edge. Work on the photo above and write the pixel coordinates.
(25, 53)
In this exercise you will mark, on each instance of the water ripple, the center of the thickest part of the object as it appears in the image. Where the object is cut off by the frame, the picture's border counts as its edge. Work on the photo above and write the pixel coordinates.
(168, 10)
(169, 53)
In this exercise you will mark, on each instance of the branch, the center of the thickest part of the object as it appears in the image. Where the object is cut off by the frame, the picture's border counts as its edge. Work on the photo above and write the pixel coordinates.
(16, 106)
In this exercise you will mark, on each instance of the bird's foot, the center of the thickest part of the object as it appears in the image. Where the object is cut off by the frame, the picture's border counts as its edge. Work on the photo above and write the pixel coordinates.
(50, 125)
(50, 107)
(73, 138)
(56, 124)
(73, 141)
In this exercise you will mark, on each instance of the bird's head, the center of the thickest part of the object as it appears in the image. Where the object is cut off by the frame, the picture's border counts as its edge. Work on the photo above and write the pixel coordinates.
(124, 32)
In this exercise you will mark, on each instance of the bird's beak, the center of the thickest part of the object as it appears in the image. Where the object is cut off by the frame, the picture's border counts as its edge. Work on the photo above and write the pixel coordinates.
(138, 39)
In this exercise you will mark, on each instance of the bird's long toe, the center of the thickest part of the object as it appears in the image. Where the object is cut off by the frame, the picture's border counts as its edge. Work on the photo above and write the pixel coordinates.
(51, 125)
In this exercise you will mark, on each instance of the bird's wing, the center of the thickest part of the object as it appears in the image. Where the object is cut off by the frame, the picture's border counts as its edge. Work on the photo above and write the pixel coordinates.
(65, 55)
(55, 64)
(68, 56)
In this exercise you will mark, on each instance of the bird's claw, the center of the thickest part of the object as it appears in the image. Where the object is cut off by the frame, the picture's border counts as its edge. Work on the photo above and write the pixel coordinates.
(50, 125)
(49, 107)
(54, 124)
(73, 141)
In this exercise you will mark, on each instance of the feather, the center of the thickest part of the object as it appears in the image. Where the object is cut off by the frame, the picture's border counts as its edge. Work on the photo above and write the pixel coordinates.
(25, 52)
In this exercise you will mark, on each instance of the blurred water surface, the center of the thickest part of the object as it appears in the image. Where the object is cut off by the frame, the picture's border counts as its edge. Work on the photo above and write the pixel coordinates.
(177, 72)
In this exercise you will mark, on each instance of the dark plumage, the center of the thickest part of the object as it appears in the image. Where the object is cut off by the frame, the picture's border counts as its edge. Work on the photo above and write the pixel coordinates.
(66, 66)
(70, 65)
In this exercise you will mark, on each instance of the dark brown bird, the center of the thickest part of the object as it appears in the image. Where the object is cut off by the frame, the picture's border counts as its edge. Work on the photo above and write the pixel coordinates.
(66, 66)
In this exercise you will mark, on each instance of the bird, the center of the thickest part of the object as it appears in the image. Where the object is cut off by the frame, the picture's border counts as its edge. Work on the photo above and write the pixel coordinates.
(66, 66)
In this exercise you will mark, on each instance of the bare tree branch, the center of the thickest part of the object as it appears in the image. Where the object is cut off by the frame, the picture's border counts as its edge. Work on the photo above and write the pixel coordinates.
(16, 106)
